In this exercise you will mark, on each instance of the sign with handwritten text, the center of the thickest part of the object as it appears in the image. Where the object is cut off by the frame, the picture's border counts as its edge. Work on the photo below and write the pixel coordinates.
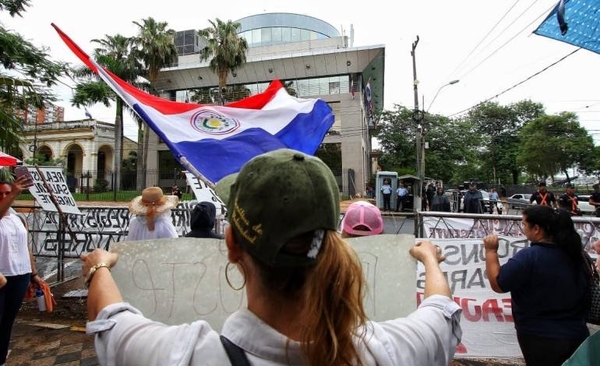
(52, 179)
(174, 282)
(204, 193)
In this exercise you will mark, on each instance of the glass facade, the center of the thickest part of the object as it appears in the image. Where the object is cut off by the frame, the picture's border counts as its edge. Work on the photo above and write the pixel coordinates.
(276, 28)
(187, 42)
(310, 87)
(278, 35)
(314, 87)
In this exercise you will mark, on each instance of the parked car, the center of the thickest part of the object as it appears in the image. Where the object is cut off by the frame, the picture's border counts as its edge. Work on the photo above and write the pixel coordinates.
(583, 202)
(518, 201)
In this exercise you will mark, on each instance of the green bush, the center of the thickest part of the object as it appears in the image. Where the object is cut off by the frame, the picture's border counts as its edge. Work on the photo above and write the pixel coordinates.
(101, 185)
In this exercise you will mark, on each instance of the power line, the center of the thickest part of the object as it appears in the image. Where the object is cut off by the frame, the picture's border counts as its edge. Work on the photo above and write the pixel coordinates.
(504, 44)
(517, 84)
(482, 39)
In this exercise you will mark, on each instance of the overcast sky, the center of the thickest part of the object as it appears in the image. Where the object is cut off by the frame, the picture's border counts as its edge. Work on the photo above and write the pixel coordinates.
(487, 45)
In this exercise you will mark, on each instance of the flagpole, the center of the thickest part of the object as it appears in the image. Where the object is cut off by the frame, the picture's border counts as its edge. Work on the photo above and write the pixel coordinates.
(183, 161)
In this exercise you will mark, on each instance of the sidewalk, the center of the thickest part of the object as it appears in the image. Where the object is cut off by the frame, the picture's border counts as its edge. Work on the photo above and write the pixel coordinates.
(47, 344)
(57, 338)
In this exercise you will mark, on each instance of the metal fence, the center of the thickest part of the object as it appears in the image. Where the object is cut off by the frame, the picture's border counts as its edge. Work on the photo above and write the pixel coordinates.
(61, 241)
(459, 225)
(97, 227)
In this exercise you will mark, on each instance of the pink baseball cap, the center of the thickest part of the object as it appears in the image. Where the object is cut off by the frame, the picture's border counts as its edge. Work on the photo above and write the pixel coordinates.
(362, 218)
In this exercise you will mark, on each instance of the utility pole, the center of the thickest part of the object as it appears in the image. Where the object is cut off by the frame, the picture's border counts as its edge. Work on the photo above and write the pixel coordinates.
(417, 118)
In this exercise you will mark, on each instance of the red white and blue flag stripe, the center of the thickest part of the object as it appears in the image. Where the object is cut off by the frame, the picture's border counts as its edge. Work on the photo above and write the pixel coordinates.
(215, 141)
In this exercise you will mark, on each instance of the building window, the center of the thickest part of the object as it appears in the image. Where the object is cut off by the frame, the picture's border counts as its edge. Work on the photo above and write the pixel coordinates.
(334, 87)
(256, 36)
(286, 35)
(265, 35)
(305, 35)
(296, 37)
(276, 35)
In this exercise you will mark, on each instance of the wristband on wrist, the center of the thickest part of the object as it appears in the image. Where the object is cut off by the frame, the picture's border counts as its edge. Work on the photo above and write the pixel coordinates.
(33, 275)
(93, 270)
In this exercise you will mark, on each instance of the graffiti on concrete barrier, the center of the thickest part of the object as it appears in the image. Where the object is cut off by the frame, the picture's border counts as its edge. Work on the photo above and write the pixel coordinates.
(95, 227)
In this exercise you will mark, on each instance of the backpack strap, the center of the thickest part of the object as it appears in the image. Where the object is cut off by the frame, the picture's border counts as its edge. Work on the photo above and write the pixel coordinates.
(236, 355)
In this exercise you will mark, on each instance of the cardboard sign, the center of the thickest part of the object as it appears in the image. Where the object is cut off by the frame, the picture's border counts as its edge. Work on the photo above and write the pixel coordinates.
(204, 193)
(180, 280)
(57, 184)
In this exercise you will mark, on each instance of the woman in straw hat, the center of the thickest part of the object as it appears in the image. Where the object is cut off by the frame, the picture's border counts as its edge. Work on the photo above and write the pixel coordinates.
(152, 218)
(304, 285)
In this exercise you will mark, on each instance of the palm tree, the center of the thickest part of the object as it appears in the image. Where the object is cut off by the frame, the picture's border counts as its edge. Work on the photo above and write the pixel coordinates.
(14, 7)
(201, 95)
(115, 54)
(290, 88)
(155, 48)
(225, 49)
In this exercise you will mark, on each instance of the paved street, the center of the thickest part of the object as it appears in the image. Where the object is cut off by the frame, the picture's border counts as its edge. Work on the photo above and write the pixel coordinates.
(47, 344)
(396, 224)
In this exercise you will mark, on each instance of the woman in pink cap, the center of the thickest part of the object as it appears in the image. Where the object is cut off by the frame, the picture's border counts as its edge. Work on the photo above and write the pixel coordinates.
(362, 218)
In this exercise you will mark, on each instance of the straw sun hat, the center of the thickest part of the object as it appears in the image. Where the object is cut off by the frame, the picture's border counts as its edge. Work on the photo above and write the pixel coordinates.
(152, 201)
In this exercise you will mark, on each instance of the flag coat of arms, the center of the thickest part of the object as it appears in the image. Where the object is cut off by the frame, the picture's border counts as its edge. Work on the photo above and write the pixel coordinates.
(215, 141)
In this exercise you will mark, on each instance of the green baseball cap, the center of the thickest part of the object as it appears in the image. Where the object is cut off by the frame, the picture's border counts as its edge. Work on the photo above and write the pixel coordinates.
(223, 187)
(278, 196)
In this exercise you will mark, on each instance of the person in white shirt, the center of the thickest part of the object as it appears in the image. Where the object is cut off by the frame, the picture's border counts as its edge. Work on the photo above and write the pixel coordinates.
(152, 218)
(304, 286)
(401, 196)
(495, 202)
(17, 263)
(386, 191)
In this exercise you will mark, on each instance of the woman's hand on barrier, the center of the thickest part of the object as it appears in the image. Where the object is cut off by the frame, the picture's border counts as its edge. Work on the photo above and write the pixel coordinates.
(491, 243)
(425, 250)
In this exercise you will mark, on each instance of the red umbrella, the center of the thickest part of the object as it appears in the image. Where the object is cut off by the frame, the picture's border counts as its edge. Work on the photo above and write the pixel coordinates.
(7, 160)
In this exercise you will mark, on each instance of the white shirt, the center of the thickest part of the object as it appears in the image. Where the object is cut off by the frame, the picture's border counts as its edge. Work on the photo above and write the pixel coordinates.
(163, 228)
(14, 252)
(428, 336)
(386, 189)
(401, 191)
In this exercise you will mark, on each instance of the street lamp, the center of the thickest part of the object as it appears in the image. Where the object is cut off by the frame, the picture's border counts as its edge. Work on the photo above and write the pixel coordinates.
(421, 143)
(440, 89)
(417, 118)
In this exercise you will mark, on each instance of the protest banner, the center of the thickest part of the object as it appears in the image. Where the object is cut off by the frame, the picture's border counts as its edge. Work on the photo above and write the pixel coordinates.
(48, 182)
(459, 227)
(487, 322)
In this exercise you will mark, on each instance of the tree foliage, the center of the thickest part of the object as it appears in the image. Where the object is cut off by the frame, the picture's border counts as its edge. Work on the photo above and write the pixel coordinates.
(499, 126)
(396, 133)
(155, 48)
(553, 144)
(26, 75)
(492, 143)
(115, 53)
(446, 155)
(42, 160)
(129, 58)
